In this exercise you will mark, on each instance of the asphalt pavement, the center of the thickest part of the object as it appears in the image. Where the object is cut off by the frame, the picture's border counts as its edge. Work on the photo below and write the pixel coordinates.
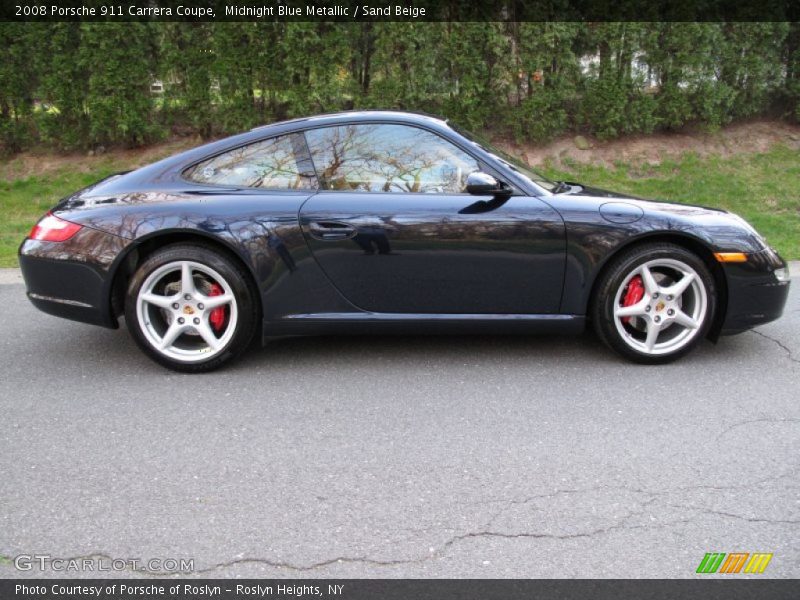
(398, 457)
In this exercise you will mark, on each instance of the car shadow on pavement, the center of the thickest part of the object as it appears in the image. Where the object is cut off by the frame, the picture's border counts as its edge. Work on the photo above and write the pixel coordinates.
(489, 350)
(115, 349)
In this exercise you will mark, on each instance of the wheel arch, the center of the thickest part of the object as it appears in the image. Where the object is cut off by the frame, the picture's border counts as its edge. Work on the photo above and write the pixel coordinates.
(137, 252)
(690, 243)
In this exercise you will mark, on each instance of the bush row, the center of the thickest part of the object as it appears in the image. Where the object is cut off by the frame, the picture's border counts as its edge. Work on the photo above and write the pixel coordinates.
(79, 85)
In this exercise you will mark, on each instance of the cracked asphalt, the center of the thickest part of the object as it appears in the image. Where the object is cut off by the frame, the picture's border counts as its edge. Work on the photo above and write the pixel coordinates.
(399, 457)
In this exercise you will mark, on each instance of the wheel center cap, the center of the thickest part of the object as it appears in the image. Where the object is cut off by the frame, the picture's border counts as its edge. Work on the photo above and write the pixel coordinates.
(660, 306)
(188, 310)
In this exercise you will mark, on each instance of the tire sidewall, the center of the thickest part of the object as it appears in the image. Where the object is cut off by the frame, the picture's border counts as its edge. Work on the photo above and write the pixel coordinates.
(603, 313)
(247, 313)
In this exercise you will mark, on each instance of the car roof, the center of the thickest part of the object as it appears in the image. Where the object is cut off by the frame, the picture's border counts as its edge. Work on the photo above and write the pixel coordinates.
(357, 115)
(155, 175)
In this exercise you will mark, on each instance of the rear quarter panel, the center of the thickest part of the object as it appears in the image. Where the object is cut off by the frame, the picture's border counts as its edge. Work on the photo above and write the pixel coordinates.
(260, 228)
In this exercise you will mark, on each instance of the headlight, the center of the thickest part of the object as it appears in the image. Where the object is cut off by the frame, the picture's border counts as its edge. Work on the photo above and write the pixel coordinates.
(782, 274)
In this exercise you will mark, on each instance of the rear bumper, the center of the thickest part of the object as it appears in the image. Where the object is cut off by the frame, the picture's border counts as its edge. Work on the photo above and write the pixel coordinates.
(755, 296)
(68, 284)
(66, 289)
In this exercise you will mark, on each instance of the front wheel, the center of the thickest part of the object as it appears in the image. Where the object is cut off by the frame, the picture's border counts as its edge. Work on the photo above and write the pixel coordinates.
(654, 303)
(190, 308)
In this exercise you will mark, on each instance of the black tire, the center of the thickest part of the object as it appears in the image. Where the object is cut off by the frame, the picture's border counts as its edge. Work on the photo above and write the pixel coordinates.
(233, 276)
(614, 276)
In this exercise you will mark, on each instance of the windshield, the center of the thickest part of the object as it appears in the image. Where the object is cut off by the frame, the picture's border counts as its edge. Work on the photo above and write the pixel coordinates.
(513, 163)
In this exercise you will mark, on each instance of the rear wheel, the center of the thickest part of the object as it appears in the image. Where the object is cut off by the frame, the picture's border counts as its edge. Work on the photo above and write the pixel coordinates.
(190, 308)
(654, 303)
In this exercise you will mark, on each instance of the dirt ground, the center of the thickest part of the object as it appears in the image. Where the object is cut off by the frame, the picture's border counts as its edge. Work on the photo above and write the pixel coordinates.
(42, 162)
(741, 138)
(751, 137)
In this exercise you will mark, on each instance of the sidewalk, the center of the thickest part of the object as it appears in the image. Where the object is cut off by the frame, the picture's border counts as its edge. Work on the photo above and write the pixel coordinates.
(8, 276)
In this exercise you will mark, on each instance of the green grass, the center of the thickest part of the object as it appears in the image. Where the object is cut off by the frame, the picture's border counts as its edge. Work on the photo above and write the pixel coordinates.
(24, 201)
(763, 188)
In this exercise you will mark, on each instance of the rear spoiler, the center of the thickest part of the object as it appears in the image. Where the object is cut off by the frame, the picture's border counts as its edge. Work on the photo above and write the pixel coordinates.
(64, 202)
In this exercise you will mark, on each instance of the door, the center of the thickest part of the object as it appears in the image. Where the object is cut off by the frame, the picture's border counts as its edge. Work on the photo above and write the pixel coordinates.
(394, 230)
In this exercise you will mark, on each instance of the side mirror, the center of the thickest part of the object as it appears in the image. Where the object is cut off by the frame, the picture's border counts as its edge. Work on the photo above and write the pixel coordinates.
(483, 184)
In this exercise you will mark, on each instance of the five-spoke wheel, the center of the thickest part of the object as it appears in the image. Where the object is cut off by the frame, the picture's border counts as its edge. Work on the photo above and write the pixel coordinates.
(190, 308)
(186, 310)
(654, 303)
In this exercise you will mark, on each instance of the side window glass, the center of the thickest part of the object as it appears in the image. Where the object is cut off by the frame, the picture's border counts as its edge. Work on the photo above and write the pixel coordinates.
(280, 163)
(388, 158)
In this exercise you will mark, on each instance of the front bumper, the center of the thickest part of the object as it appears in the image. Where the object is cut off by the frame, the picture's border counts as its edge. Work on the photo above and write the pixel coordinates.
(755, 296)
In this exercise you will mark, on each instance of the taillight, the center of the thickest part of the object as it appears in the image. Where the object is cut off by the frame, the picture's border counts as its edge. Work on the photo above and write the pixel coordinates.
(53, 229)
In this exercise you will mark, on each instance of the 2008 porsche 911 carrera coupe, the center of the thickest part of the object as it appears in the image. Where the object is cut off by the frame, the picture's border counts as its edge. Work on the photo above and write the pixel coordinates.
(378, 221)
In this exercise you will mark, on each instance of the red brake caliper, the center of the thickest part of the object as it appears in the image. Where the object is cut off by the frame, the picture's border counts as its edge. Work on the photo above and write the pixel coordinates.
(217, 316)
(633, 294)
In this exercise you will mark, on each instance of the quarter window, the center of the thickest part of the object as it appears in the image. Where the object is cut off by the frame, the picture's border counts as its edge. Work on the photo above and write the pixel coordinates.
(277, 163)
(388, 158)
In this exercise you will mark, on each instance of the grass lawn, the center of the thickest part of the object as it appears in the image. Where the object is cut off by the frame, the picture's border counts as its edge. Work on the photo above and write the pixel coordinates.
(23, 201)
(762, 188)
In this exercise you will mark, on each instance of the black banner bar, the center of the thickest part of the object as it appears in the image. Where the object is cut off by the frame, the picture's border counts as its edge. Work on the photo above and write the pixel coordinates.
(400, 10)
(398, 589)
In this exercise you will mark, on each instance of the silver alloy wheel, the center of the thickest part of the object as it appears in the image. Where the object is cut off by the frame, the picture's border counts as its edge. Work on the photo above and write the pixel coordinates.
(177, 324)
(671, 311)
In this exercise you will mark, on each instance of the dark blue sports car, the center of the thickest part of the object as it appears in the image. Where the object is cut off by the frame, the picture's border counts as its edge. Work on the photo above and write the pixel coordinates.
(388, 222)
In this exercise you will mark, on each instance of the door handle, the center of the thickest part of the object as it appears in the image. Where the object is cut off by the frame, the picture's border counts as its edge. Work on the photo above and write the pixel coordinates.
(329, 231)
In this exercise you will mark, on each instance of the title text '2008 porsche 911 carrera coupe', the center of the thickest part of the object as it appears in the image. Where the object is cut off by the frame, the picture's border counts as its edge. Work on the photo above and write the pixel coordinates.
(388, 222)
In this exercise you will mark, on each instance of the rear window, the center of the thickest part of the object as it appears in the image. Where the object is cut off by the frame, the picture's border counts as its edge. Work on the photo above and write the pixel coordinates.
(279, 163)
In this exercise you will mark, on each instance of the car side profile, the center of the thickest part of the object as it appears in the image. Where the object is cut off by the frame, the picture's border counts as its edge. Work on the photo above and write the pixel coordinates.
(388, 222)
